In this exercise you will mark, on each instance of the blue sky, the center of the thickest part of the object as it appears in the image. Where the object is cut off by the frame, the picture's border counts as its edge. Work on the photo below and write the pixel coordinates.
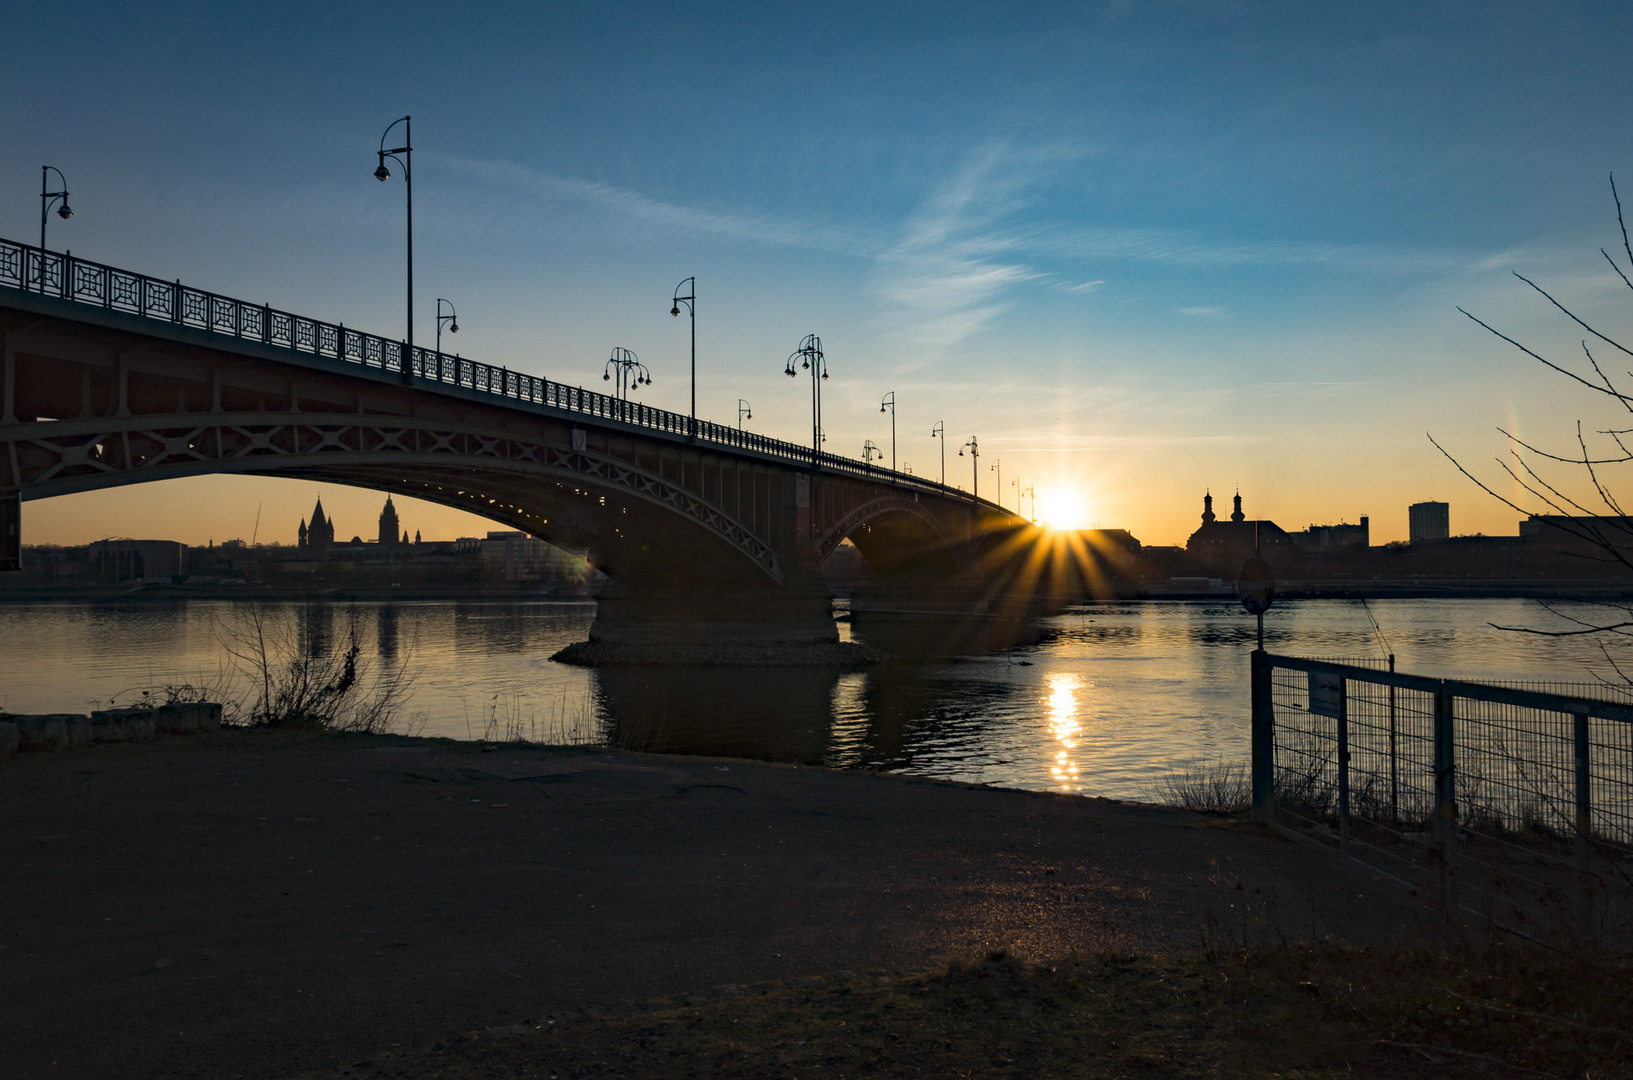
(1139, 250)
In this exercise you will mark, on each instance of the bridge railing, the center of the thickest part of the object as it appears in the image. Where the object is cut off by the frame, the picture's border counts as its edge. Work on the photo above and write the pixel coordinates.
(29, 269)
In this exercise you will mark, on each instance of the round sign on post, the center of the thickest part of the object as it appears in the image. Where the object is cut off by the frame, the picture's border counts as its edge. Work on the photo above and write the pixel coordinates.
(1256, 585)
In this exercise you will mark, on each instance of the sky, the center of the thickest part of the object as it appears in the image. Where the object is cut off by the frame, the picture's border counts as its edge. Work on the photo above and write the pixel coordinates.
(1138, 251)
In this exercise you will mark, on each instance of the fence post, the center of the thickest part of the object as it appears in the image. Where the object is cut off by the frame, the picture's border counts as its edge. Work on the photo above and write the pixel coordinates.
(1263, 738)
(1445, 792)
(1343, 766)
(1584, 822)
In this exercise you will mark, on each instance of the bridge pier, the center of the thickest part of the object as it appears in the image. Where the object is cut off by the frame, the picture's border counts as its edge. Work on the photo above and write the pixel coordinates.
(798, 613)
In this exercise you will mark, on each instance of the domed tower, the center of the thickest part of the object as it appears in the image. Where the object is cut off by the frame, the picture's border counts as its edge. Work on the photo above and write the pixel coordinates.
(1236, 514)
(388, 525)
(1207, 509)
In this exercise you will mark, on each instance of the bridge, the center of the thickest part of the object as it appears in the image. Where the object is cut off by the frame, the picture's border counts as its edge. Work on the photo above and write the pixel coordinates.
(113, 377)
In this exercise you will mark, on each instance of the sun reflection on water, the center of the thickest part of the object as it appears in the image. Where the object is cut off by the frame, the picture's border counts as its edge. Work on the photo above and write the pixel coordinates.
(1065, 727)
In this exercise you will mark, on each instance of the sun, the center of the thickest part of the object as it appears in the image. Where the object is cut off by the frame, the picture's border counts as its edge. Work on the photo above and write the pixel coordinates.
(1063, 509)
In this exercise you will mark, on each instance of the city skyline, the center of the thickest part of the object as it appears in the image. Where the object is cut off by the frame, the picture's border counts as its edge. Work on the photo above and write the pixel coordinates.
(1140, 254)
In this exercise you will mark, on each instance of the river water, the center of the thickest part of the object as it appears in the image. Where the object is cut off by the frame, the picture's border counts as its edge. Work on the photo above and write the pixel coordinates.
(1108, 700)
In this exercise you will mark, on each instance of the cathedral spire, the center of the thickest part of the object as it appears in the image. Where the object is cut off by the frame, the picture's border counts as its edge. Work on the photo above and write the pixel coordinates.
(1207, 509)
(1236, 514)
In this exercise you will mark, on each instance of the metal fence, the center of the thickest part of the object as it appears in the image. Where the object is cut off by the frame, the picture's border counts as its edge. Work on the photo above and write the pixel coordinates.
(1509, 804)
(47, 273)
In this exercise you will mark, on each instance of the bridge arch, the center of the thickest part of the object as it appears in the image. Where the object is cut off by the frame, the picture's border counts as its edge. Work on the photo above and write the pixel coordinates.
(897, 535)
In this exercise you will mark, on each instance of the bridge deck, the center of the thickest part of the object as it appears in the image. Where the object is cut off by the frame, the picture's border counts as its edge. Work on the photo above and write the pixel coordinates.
(60, 284)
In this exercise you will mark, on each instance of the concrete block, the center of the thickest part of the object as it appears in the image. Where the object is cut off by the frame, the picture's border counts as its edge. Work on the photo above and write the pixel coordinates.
(76, 729)
(44, 732)
(8, 738)
(123, 725)
(186, 719)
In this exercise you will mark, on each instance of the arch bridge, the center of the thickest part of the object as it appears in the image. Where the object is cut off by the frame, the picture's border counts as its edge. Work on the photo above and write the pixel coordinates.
(113, 377)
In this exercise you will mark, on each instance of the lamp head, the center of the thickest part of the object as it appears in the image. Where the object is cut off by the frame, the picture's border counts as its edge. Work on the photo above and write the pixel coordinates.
(382, 174)
(824, 374)
(881, 408)
(453, 328)
(63, 211)
(961, 451)
(605, 377)
(749, 415)
(675, 310)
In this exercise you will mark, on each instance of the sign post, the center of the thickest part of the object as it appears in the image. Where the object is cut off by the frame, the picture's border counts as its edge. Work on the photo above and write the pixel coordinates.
(1256, 585)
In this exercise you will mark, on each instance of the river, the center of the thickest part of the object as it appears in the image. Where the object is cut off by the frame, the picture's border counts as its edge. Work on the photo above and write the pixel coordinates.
(1108, 700)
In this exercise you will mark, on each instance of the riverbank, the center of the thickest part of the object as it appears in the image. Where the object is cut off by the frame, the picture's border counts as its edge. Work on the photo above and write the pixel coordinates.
(263, 903)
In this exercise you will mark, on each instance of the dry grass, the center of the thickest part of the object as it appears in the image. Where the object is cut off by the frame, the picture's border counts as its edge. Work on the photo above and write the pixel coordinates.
(1208, 787)
(1285, 1013)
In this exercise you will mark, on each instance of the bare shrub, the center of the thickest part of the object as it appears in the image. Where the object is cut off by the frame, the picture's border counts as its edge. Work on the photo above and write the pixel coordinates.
(1207, 787)
(301, 679)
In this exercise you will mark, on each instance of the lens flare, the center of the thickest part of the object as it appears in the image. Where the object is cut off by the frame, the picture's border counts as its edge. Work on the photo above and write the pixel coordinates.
(1062, 509)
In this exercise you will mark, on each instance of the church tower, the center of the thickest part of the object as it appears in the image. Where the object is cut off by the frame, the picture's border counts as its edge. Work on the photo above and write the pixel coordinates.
(388, 525)
(321, 533)
(1236, 514)
(1207, 509)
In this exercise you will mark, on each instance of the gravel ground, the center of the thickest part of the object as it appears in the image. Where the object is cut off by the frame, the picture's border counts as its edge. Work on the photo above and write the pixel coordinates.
(257, 904)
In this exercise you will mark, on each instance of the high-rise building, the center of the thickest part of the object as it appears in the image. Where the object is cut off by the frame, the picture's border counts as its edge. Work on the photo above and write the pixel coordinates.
(1428, 521)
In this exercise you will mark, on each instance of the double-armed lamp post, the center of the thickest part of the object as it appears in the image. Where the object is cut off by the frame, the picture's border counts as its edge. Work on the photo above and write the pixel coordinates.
(383, 174)
(47, 197)
(809, 355)
(627, 368)
(974, 447)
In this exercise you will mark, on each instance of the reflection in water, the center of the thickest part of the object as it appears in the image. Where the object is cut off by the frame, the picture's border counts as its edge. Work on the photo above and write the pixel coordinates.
(385, 634)
(1064, 726)
(1108, 695)
(773, 714)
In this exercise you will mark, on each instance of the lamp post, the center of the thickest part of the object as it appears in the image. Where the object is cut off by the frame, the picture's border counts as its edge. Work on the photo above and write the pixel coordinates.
(1032, 491)
(627, 368)
(890, 403)
(1016, 484)
(870, 451)
(690, 299)
(452, 318)
(975, 465)
(940, 432)
(383, 174)
(48, 197)
(809, 355)
(997, 467)
(743, 410)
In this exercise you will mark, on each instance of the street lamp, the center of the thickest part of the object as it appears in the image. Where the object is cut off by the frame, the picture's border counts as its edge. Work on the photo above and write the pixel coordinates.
(940, 432)
(383, 174)
(997, 467)
(1016, 484)
(452, 318)
(870, 451)
(690, 299)
(46, 199)
(1032, 491)
(889, 402)
(743, 410)
(975, 465)
(811, 359)
(629, 371)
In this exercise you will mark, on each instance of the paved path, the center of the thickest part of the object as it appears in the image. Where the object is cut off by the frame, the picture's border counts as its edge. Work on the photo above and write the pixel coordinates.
(253, 904)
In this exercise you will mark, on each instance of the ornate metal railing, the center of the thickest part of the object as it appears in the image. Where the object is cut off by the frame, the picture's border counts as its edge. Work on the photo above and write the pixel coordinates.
(29, 269)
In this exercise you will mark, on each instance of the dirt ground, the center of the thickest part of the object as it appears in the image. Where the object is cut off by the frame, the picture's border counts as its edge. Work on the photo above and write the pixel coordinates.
(260, 904)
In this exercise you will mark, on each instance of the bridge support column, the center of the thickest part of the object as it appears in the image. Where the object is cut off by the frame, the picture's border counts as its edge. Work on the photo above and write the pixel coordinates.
(705, 614)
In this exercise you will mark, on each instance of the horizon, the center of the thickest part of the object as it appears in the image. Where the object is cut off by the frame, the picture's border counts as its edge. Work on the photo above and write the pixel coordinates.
(1141, 254)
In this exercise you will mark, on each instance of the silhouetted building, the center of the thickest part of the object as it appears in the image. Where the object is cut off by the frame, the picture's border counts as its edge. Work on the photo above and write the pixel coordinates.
(1428, 521)
(1222, 546)
(1324, 538)
(138, 560)
(316, 539)
(389, 526)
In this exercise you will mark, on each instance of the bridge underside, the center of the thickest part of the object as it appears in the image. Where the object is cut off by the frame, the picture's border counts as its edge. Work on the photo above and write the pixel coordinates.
(700, 541)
